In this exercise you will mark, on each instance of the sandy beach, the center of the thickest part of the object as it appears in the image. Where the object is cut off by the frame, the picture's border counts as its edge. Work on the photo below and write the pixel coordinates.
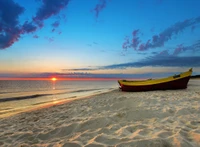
(142, 119)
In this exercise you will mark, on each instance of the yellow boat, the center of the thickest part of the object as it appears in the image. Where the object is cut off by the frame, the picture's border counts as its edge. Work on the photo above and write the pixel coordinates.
(179, 81)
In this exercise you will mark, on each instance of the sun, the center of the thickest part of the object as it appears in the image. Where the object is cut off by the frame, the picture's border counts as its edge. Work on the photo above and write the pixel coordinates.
(53, 79)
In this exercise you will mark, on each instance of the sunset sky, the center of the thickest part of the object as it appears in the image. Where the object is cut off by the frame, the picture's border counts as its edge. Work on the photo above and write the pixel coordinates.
(98, 38)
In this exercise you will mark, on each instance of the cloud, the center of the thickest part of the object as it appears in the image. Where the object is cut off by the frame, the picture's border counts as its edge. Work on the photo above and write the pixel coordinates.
(160, 39)
(79, 69)
(95, 43)
(135, 32)
(55, 25)
(28, 27)
(50, 8)
(154, 61)
(166, 61)
(164, 53)
(178, 49)
(36, 36)
(50, 39)
(10, 30)
(144, 46)
(126, 43)
(82, 75)
(99, 7)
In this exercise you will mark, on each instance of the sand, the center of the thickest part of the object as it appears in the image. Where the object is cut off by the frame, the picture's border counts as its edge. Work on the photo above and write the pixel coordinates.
(121, 119)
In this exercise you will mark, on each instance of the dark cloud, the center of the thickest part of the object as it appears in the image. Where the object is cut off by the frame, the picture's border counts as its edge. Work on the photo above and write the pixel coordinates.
(50, 8)
(8, 38)
(162, 60)
(9, 18)
(28, 27)
(99, 7)
(10, 30)
(159, 40)
(166, 61)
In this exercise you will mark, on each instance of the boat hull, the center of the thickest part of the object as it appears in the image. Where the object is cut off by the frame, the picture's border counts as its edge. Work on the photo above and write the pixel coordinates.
(171, 85)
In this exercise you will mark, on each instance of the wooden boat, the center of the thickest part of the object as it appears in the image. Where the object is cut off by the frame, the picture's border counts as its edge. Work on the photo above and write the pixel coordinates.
(174, 82)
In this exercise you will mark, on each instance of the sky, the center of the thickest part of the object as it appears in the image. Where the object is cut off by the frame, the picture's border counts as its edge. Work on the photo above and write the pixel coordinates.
(98, 38)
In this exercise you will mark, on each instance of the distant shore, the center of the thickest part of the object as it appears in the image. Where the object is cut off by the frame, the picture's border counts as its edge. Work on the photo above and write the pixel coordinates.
(155, 118)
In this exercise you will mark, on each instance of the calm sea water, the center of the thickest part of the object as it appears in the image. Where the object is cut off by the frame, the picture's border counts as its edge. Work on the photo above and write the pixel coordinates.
(17, 96)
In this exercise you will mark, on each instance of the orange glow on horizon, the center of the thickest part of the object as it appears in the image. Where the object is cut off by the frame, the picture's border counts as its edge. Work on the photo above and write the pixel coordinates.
(53, 79)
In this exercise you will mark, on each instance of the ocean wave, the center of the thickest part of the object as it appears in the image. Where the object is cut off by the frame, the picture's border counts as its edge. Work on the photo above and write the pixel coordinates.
(23, 97)
(41, 95)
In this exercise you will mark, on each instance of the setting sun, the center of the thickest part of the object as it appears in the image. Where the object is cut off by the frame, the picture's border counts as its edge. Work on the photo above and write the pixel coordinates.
(53, 79)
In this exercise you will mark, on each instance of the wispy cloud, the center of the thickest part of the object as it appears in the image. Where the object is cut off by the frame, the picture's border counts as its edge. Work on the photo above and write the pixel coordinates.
(50, 39)
(99, 7)
(178, 49)
(36, 36)
(55, 25)
(167, 61)
(161, 60)
(160, 39)
(79, 69)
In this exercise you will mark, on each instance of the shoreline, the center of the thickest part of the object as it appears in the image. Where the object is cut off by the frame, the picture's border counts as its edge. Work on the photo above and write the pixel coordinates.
(156, 118)
(55, 103)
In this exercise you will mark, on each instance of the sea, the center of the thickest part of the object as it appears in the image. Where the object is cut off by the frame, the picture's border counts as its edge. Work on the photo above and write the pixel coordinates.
(23, 95)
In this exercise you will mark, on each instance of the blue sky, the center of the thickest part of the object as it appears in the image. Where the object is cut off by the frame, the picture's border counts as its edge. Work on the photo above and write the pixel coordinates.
(98, 37)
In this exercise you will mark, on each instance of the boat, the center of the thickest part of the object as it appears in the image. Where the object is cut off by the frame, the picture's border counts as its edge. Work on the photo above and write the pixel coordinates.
(179, 81)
